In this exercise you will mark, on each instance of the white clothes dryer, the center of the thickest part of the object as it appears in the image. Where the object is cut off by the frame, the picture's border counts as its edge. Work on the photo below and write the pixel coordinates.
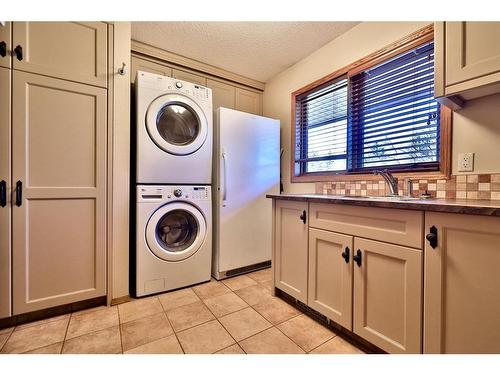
(174, 129)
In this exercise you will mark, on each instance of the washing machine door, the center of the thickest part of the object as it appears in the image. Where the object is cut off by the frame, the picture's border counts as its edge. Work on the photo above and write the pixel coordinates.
(176, 124)
(176, 231)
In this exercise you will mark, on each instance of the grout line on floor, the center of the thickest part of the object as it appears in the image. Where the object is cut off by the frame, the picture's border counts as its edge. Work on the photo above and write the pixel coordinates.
(120, 327)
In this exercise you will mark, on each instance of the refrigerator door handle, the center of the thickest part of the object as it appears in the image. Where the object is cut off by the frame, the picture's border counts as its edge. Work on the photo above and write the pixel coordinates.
(224, 190)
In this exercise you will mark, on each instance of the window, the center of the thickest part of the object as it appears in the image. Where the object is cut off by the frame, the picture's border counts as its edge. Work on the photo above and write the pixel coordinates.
(382, 116)
(321, 115)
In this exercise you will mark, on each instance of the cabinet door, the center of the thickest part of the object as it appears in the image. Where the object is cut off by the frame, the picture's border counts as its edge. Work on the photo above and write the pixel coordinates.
(248, 101)
(388, 296)
(6, 46)
(5, 206)
(222, 94)
(76, 51)
(330, 275)
(59, 156)
(148, 66)
(290, 261)
(462, 301)
(189, 77)
(472, 50)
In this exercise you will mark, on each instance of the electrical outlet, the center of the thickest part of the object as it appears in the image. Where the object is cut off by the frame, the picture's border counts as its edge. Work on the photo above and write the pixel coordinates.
(466, 162)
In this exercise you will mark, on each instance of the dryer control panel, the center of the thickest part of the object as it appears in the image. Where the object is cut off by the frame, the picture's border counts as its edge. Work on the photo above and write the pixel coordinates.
(172, 85)
(173, 193)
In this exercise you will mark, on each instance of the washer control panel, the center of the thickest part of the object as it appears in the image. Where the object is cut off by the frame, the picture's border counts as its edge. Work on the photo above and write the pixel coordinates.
(172, 193)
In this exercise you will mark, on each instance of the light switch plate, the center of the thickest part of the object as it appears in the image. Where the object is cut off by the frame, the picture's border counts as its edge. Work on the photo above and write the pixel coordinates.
(466, 162)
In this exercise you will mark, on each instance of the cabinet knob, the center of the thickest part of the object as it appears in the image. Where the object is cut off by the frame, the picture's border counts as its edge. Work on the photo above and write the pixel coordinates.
(357, 258)
(303, 217)
(18, 51)
(3, 49)
(432, 237)
(345, 254)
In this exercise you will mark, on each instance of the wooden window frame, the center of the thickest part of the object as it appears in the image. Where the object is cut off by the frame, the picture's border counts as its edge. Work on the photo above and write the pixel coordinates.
(426, 34)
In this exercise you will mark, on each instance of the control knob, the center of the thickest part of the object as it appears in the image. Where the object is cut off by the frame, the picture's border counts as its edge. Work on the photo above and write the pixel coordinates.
(178, 193)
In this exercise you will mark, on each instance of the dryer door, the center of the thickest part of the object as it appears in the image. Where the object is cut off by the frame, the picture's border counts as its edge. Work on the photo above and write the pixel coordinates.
(176, 124)
(176, 231)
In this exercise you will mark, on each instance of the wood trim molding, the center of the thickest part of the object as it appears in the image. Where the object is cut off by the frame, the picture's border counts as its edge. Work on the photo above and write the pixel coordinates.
(148, 50)
(404, 44)
(120, 300)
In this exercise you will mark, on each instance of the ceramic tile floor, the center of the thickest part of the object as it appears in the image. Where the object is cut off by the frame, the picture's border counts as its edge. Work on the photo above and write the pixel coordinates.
(235, 316)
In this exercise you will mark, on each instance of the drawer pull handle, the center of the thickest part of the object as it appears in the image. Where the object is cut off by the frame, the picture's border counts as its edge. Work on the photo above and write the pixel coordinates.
(357, 258)
(303, 217)
(3, 49)
(19, 52)
(432, 237)
(3, 193)
(19, 193)
(345, 254)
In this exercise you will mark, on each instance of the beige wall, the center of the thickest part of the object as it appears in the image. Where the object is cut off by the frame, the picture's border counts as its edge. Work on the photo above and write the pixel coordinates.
(476, 127)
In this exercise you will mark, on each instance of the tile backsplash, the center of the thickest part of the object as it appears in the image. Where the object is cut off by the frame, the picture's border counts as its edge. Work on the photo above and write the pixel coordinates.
(472, 186)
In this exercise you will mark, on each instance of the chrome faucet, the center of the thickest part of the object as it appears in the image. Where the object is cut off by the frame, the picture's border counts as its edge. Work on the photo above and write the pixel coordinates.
(390, 179)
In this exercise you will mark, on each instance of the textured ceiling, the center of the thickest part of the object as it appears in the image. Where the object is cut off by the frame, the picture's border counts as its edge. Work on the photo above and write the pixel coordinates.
(257, 50)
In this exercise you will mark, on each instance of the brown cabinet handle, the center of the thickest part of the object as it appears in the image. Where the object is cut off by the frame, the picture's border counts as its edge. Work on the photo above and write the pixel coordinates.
(345, 254)
(303, 217)
(18, 51)
(3, 49)
(357, 258)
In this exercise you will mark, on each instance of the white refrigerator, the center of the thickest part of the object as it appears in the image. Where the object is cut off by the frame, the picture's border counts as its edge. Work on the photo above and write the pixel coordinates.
(246, 168)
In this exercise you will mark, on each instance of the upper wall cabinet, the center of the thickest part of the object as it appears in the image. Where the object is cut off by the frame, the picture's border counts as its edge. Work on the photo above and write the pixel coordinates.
(5, 44)
(148, 66)
(248, 101)
(467, 61)
(189, 77)
(75, 51)
(222, 94)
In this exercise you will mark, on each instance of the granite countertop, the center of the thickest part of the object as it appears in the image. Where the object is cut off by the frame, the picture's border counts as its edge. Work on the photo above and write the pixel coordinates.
(461, 206)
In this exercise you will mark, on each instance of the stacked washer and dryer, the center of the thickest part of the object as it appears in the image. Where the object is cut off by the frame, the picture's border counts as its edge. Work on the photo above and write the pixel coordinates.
(174, 135)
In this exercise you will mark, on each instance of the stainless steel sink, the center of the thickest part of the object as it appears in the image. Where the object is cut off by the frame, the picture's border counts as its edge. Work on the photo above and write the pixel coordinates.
(384, 197)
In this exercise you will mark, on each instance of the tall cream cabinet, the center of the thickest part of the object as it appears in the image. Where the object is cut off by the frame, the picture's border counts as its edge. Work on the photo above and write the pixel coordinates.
(467, 58)
(461, 292)
(5, 201)
(6, 45)
(55, 225)
(59, 174)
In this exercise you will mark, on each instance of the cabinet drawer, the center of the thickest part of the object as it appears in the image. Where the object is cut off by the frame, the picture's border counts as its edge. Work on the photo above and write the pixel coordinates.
(402, 227)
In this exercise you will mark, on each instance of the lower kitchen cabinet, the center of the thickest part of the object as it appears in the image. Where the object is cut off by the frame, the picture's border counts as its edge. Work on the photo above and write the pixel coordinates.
(461, 292)
(330, 275)
(388, 295)
(59, 177)
(291, 255)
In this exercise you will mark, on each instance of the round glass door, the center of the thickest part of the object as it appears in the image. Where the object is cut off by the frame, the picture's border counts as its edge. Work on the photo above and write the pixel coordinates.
(176, 231)
(176, 124)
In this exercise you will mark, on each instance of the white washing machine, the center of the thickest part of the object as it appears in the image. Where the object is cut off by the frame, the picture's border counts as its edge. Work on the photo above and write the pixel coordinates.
(174, 131)
(173, 237)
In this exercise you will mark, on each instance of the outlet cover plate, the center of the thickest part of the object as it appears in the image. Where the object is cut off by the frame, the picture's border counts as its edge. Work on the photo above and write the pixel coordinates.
(466, 162)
